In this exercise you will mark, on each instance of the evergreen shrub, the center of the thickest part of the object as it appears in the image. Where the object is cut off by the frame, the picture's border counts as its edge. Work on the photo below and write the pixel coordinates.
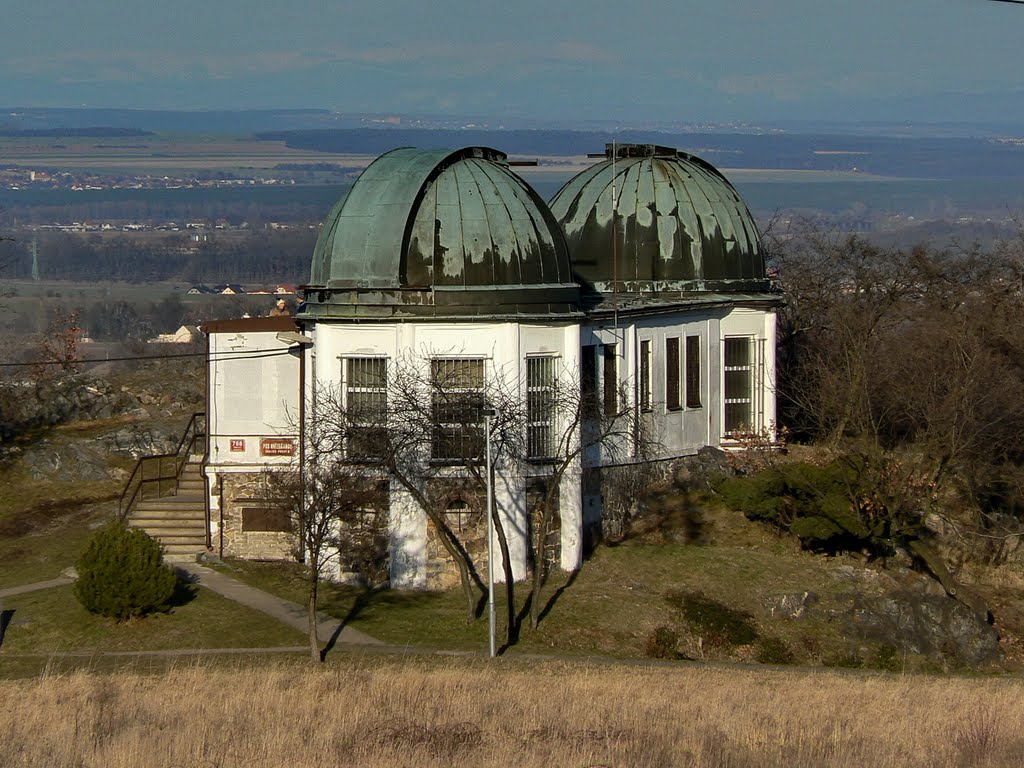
(824, 506)
(121, 574)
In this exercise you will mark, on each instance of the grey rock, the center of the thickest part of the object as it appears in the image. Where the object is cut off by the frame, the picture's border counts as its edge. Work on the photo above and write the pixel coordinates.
(66, 463)
(702, 470)
(795, 605)
(139, 440)
(926, 624)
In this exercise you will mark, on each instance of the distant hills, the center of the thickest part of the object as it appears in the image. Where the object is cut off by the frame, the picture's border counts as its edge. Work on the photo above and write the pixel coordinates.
(918, 151)
(917, 157)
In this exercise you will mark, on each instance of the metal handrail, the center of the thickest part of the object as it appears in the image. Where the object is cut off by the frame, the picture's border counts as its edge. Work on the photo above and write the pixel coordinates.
(161, 470)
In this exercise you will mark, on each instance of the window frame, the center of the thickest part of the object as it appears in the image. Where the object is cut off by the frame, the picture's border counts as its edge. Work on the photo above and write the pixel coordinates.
(610, 379)
(541, 389)
(371, 427)
(692, 375)
(645, 399)
(736, 429)
(467, 397)
(673, 375)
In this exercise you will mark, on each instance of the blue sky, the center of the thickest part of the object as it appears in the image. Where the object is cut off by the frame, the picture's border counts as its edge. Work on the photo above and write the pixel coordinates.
(713, 60)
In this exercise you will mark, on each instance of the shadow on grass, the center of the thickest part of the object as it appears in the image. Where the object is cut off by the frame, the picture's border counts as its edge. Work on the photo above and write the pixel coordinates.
(351, 603)
(185, 590)
(524, 612)
(5, 620)
(362, 599)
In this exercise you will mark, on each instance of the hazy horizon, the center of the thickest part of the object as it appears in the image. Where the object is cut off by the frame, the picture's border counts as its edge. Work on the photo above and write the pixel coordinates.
(750, 60)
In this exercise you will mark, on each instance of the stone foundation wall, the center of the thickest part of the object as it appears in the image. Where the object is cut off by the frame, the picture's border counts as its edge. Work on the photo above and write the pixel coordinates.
(252, 527)
(466, 517)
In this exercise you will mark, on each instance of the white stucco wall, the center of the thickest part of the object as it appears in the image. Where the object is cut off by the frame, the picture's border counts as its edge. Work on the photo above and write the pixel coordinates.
(686, 430)
(504, 347)
(253, 391)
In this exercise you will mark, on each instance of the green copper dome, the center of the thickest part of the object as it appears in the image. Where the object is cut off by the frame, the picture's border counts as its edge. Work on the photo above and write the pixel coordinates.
(679, 225)
(441, 233)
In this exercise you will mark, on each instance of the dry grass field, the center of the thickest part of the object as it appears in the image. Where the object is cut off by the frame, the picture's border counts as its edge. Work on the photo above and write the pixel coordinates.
(365, 711)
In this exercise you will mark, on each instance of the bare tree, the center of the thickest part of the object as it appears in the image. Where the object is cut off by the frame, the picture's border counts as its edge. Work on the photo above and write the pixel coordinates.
(417, 422)
(566, 430)
(912, 359)
(324, 501)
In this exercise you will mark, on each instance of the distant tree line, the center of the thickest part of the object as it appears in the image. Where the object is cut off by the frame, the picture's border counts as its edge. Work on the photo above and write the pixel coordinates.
(258, 258)
(252, 205)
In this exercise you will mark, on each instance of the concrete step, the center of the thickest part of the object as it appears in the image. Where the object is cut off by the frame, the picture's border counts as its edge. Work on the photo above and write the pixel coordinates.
(190, 522)
(187, 538)
(173, 502)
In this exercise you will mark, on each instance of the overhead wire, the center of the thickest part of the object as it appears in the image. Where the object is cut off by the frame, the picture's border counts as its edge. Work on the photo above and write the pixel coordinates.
(216, 357)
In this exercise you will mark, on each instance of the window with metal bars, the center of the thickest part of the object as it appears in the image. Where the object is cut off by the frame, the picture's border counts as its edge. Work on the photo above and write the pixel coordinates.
(693, 371)
(457, 401)
(540, 407)
(738, 396)
(366, 404)
(645, 375)
(673, 399)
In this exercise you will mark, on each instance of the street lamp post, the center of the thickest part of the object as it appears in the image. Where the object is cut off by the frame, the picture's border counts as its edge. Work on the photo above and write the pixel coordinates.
(489, 413)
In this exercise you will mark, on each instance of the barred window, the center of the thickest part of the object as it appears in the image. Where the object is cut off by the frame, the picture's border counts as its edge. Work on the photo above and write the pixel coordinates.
(739, 385)
(693, 371)
(366, 403)
(540, 407)
(673, 400)
(457, 400)
(645, 375)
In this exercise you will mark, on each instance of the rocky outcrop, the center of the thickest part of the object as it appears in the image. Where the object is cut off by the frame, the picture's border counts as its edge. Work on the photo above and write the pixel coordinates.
(926, 624)
(703, 470)
(26, 405)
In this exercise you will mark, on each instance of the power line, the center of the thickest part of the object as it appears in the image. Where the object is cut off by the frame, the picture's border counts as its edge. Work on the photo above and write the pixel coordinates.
(217, 357)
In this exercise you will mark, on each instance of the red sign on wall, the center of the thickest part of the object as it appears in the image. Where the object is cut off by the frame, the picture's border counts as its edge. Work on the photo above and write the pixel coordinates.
(237, 445)
(277, 446)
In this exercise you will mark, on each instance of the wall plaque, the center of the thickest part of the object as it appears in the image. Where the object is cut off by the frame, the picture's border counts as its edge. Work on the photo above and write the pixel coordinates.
(277, 446)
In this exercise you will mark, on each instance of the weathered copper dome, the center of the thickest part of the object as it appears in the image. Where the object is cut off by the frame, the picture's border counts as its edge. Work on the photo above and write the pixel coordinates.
(679, 226)
(440, 233)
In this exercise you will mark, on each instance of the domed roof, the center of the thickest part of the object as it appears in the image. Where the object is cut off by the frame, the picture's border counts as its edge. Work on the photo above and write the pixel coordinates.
(440, 232)
(680, 226)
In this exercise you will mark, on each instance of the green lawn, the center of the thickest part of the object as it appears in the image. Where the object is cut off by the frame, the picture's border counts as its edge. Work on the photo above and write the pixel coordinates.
(52, 620)
(609, 608)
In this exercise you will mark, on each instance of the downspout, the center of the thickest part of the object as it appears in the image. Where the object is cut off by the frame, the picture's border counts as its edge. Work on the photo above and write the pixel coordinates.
(302, 437)
(206, 452)
(220, 490)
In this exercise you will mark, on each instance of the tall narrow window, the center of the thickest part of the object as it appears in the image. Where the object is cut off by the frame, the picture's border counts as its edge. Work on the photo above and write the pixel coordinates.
(645, 375)
(588, 381)
(366, 402)
(457, 400)
(673, 399)
(739, 385)
(540, 407)
(611, 380)
(693, 371)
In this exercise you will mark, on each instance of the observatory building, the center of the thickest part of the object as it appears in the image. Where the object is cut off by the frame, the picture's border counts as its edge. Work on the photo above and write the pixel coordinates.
(640, 286)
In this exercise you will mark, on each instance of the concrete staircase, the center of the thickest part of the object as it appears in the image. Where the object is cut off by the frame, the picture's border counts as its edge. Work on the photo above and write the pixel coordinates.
(177, 521)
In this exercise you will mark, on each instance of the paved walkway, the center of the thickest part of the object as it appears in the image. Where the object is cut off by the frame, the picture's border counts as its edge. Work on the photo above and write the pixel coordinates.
(58, 582)
(290, 613)
(330, 630)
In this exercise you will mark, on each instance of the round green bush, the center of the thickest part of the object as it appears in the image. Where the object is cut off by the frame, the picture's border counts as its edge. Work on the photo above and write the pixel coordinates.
(122, 574)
